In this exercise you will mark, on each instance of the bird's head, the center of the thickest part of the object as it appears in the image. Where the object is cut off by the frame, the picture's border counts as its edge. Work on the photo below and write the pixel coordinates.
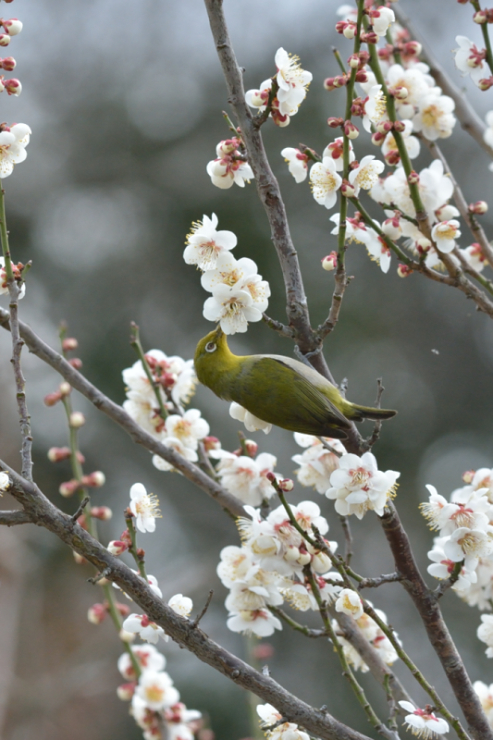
(211, 355)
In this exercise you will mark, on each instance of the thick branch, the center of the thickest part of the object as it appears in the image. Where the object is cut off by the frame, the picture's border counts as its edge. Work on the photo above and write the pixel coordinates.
(439, 636)
(120, 416)
(467, 116)
(182, 631)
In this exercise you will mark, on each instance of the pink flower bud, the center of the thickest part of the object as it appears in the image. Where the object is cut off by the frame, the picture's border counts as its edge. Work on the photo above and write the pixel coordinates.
(97, 613)
(350, 130)
(349, 31)
(52, 398)
(211, 443)
(386, 52)
(125, 537)
(69, 344)
(286, 484)
(468, 476)
(370, 37)
(264, 651)
(251, 447)
(383, 127)
(69, 487)
(377, 138)
(485, 83)
(101, 512)
(329, 262)
(412, 49)
(9, 64)
(413, 178)
(399, 126)
(4, 39)
(347, 189)
(126, 691)
(55, 454)
(94, 480)
(13, 26)
(334, 122)
(404, 271)
(77, 419)
(13, 86)
(393, 157)
(271, 477)
(479, 207)
(117, 547)
(399, 92)
(65, 388)
(423, 244)
(123, 609)
(480, 17)
(329, 84)
(353, 61)
(340, 81)
(361, 76)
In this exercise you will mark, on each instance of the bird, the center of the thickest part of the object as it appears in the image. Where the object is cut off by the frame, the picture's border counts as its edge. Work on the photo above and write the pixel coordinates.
(278, 390)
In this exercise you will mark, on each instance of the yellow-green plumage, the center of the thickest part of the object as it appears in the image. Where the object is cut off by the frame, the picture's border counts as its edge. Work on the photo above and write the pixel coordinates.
(278, 390)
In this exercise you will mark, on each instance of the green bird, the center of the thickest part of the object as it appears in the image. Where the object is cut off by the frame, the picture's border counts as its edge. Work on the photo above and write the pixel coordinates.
(278, 390)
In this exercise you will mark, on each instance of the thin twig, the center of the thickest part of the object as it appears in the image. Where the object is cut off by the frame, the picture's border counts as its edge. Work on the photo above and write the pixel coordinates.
(282, 329)
(12, 518)
(449, 582)
(296, 625)
(202, 612)
(376, 582)
(80, 509)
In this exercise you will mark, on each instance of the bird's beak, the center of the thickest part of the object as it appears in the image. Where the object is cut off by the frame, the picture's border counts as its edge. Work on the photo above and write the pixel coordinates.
(219, 332)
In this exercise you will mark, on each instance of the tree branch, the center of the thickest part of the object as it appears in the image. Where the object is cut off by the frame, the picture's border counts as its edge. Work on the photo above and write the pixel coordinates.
(182, 631)
(427, 605)
(12, 518)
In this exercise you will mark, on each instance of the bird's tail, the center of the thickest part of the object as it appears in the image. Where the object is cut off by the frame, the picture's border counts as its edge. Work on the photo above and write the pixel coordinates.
(358, 413)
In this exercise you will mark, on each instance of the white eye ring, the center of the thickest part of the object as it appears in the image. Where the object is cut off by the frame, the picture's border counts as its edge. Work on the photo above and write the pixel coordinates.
(210, 347)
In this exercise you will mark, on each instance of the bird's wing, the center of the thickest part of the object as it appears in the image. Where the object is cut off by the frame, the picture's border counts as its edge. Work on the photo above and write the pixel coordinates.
(277, 393)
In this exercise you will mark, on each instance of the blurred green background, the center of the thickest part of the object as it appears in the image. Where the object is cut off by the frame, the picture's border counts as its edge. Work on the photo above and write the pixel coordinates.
(125, 102)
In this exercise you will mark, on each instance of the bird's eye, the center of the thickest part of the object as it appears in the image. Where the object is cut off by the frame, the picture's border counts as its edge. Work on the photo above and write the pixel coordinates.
(210, 347)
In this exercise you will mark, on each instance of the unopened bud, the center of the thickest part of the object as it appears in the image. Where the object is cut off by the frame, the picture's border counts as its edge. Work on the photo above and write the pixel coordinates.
(412, 48)
(117, 547)
(52, 398)
(126, 691)
(350, 130)
(292, 554)
(370, 37)
(361, 76)
(413, 178)
(55, 454)
(126, 636)
(304, 558)
(69, 487)
(4, 39)
(256, 99)
(65, 388)
(349, 31)
(393, 157)
(329, 84)
(264, 651)
(340, 81)
(480, 17)
(141, 553)
(101, 512)
(383, 127)
(479, 207)
(123, 609)
(334, 122)
(97, 613)
(468, 476)
(399, 126)
(251, 447)
(485, 83)
(75, 362)
(286, 484)
(77, 419)
(13, 86)
(9, 64)
(329, 262)
(271, 477)
(347, 189)
(211, 443)
(94, 480)
(377, 138)
(353, 61)
(69, 344)
(399, 92)
(404, 271)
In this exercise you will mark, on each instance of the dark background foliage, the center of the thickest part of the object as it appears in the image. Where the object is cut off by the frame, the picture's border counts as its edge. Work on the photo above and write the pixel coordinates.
(125, 103)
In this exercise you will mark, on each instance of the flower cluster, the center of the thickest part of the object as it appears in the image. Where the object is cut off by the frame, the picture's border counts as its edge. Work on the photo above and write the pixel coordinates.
(230, 166)
(464, 546)
(239, 294)
(472, 61)
(268, 568)
(290, 86)
(270, 717)
(318, 461)
(358, 486)
(245, 476)
(370, 630)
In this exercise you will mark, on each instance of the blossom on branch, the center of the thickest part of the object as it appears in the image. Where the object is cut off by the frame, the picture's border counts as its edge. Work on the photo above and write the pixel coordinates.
(470, 60)
(423, 722)
(145, 507)
(325, 182)
(297, 163)
(205, 243)
(13, 142)
(358, 486)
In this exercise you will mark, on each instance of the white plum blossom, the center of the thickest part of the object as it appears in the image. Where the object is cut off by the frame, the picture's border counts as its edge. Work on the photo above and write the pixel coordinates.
(469, 60)
(415, 80)
(358, 486)
(145, 508)
(285, 731)
(189, 429)
(13, 142)
(469, 545)
(336, 150)
(5, 483)
(235, 564)
(474, 256)
(317, 463)
(435, 118)
(177, 445)
(379, 251)
(297, 163)
(442, 568)
(141, 625)
(366, 174)
(349, 602)
(488, 132)
(180, 604)
(205, 243)
(485, 694)
(434, 186)
(156, 689)
(232, 307)
(325, 182)
(292, 80)
(148, 658)
(252, 423)
(245, 477)
(241, 274)
(375, 107)
(444, 234)
(423, 722)
(485, 633)
(372, 632)
(258, 622)
(381, 18)
(226, 172)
